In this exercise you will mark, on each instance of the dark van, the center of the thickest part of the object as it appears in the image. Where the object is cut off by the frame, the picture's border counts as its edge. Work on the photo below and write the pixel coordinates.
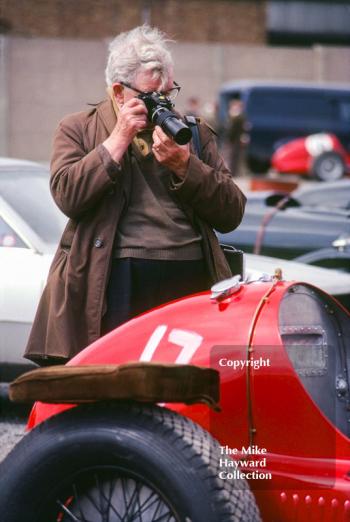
(278, 112)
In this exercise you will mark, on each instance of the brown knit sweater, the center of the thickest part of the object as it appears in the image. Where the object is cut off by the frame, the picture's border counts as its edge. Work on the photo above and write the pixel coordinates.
(154, 226)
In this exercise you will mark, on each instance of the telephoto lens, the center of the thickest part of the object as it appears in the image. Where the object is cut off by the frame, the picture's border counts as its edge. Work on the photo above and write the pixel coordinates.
(160, 113)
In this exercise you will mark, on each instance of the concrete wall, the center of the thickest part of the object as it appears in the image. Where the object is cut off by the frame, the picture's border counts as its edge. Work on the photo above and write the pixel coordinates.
(48, 78)
(43, 79)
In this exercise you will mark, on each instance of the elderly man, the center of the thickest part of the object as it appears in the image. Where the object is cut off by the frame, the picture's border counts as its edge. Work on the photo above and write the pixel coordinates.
(142, 208)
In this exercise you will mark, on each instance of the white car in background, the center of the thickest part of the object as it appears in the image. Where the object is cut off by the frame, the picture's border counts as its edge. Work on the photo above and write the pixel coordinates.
(30, 228)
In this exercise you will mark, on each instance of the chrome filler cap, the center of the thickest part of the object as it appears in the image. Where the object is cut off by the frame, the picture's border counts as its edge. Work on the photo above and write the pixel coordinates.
(225, 288)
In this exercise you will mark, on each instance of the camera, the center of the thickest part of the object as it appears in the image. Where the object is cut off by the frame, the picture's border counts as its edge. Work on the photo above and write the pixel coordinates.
(160, 113)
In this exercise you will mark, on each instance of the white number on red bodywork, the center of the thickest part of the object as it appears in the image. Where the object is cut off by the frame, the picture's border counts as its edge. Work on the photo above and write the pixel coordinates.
(188, 341)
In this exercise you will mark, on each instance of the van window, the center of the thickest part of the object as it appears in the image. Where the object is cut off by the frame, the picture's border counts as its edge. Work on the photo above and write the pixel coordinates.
(344, 110)
(290, 104)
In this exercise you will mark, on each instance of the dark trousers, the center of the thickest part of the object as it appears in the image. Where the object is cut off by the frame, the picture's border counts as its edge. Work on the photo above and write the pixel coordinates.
(136, 285)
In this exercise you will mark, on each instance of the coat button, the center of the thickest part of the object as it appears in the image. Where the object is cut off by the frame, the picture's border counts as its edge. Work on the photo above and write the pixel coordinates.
(99, 242)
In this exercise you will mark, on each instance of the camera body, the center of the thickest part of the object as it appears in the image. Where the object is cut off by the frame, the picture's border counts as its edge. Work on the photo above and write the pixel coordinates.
(160, 113)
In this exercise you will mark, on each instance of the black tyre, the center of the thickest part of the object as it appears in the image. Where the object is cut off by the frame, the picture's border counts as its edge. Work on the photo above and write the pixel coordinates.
(258, 167)
(328, 166)
(110, 462)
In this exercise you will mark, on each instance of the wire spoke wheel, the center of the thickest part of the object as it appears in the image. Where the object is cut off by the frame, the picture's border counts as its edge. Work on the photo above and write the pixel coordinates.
(120, 462)
(111, 495)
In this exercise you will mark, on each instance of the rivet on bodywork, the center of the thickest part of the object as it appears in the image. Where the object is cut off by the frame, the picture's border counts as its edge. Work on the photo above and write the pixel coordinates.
(283, 496)
(334, 503)
(296, 498)
(321, 501)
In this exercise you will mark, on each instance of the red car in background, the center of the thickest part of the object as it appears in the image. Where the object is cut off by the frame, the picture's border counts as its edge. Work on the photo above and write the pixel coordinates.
(321, 156)
(282, 350)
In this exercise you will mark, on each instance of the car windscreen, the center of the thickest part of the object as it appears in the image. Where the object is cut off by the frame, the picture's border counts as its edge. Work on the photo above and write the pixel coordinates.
(26, 190)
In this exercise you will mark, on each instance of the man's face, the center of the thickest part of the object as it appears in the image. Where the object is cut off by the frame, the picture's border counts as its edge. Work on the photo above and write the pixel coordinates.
(143, 82)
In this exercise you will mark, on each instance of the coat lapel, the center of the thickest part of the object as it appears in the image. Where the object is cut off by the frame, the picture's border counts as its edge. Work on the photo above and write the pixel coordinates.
(107, 115)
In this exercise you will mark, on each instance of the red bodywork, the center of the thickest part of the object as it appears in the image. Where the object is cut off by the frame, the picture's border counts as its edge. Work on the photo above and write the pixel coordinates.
(296, 156)
(308, 457)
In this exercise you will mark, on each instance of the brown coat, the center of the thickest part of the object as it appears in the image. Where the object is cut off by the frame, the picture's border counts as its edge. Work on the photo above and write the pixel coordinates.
(73, 302)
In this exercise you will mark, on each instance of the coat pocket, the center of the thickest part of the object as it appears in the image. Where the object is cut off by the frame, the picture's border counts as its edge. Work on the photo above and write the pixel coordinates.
(59, 262)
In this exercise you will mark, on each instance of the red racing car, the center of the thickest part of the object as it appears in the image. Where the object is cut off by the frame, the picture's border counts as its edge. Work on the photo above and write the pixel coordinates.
(277, 449)
(321, 156)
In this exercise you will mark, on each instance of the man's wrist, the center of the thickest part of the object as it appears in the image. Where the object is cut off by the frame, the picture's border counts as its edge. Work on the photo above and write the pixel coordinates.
(115, 148)
(112, 167)
(181, 169)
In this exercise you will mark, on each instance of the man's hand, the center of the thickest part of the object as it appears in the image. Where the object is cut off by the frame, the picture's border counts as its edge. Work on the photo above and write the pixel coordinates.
(132, 117)
(169, 153)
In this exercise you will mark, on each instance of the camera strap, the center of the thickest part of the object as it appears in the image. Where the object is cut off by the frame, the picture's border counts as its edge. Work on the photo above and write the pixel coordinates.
(196, 140)
(233, 256)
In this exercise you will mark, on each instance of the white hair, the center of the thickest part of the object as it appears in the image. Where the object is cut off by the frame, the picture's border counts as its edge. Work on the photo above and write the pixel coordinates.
(143, 48)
